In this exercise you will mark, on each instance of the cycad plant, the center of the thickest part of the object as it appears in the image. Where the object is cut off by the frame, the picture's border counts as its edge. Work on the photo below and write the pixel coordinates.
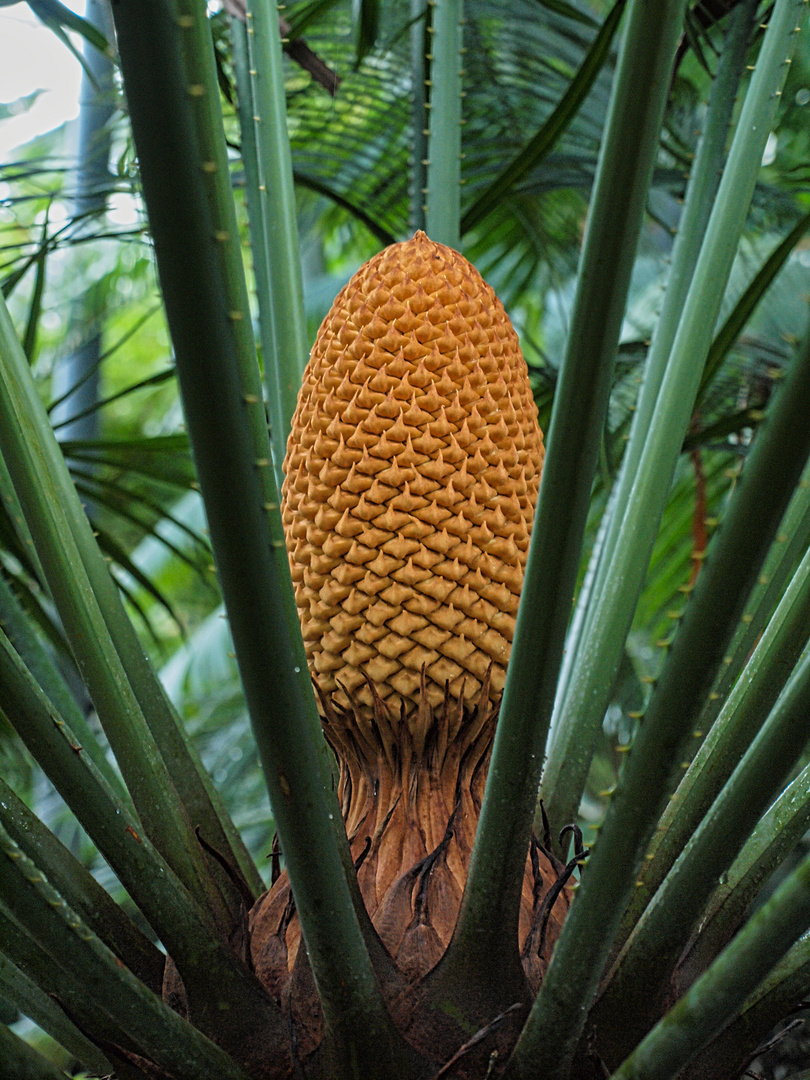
(432, 919)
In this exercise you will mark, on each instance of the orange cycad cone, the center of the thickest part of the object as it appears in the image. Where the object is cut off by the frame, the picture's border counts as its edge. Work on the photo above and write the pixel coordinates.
(411, 479)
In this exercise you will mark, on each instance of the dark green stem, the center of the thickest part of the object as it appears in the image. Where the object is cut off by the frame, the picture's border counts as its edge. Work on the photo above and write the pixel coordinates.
(737, 552)
(775, 998)
(24, 993)
(193, 224)
(586, 697)
(443, 184)
(770, 843)
(65, 993)
(488, 922)
(80, 889)
(741, 718)
(39, 662)
(284, 325)
(214, 977)
(629, 1006)
(85, 597)
(419, 114)
(719, 994)
(163, 1035)
(23, 1062)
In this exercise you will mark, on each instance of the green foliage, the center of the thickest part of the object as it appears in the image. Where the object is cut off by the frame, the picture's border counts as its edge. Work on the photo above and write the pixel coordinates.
(666, 544)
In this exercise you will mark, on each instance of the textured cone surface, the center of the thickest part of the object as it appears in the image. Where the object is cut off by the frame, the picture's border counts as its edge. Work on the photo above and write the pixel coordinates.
(412, 473)
(411, 480)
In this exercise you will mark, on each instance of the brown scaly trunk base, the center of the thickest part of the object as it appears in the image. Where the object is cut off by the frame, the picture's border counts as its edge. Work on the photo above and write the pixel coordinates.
(411, 786)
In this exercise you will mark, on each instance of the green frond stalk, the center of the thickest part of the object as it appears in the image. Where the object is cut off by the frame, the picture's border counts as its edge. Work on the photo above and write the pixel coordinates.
(208, 315)
(777, 572)
(347, 1008)
(284, 338)
(596, 651)
(721, 992)
(741, 717)
(111, 649)
(746, 305)
(64, 541)
(39, 662)
(35, 964)
(556, 1021)
(487, 923)
(80, 889)
(166, 1038)
(20, 531)
(23, 1062)
(28, 998)
(664, 929)
(443, 197)
(187, 929)
(779, 994)
(420, 45)
(246, 109)
(770, 843)
(774, 467)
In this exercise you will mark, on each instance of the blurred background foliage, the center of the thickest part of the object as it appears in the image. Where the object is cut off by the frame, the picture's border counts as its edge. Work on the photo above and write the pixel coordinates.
(356, 145)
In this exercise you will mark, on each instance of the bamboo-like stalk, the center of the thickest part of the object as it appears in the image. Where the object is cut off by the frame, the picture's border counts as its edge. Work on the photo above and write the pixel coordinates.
(443, 196)
(206, 303)
(597, 651)
(779, 994)
(23, 1062)
(770, 843)
(740, 718)
(774, 468)
(33, 1002)
(213, 975)
(285, 347)
(166, 1038)
(80, 889)
(487, 924)
(62, 534)
(722, 990)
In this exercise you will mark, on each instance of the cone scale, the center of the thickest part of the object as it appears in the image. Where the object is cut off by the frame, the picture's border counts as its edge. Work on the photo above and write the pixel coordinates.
(411, 479)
